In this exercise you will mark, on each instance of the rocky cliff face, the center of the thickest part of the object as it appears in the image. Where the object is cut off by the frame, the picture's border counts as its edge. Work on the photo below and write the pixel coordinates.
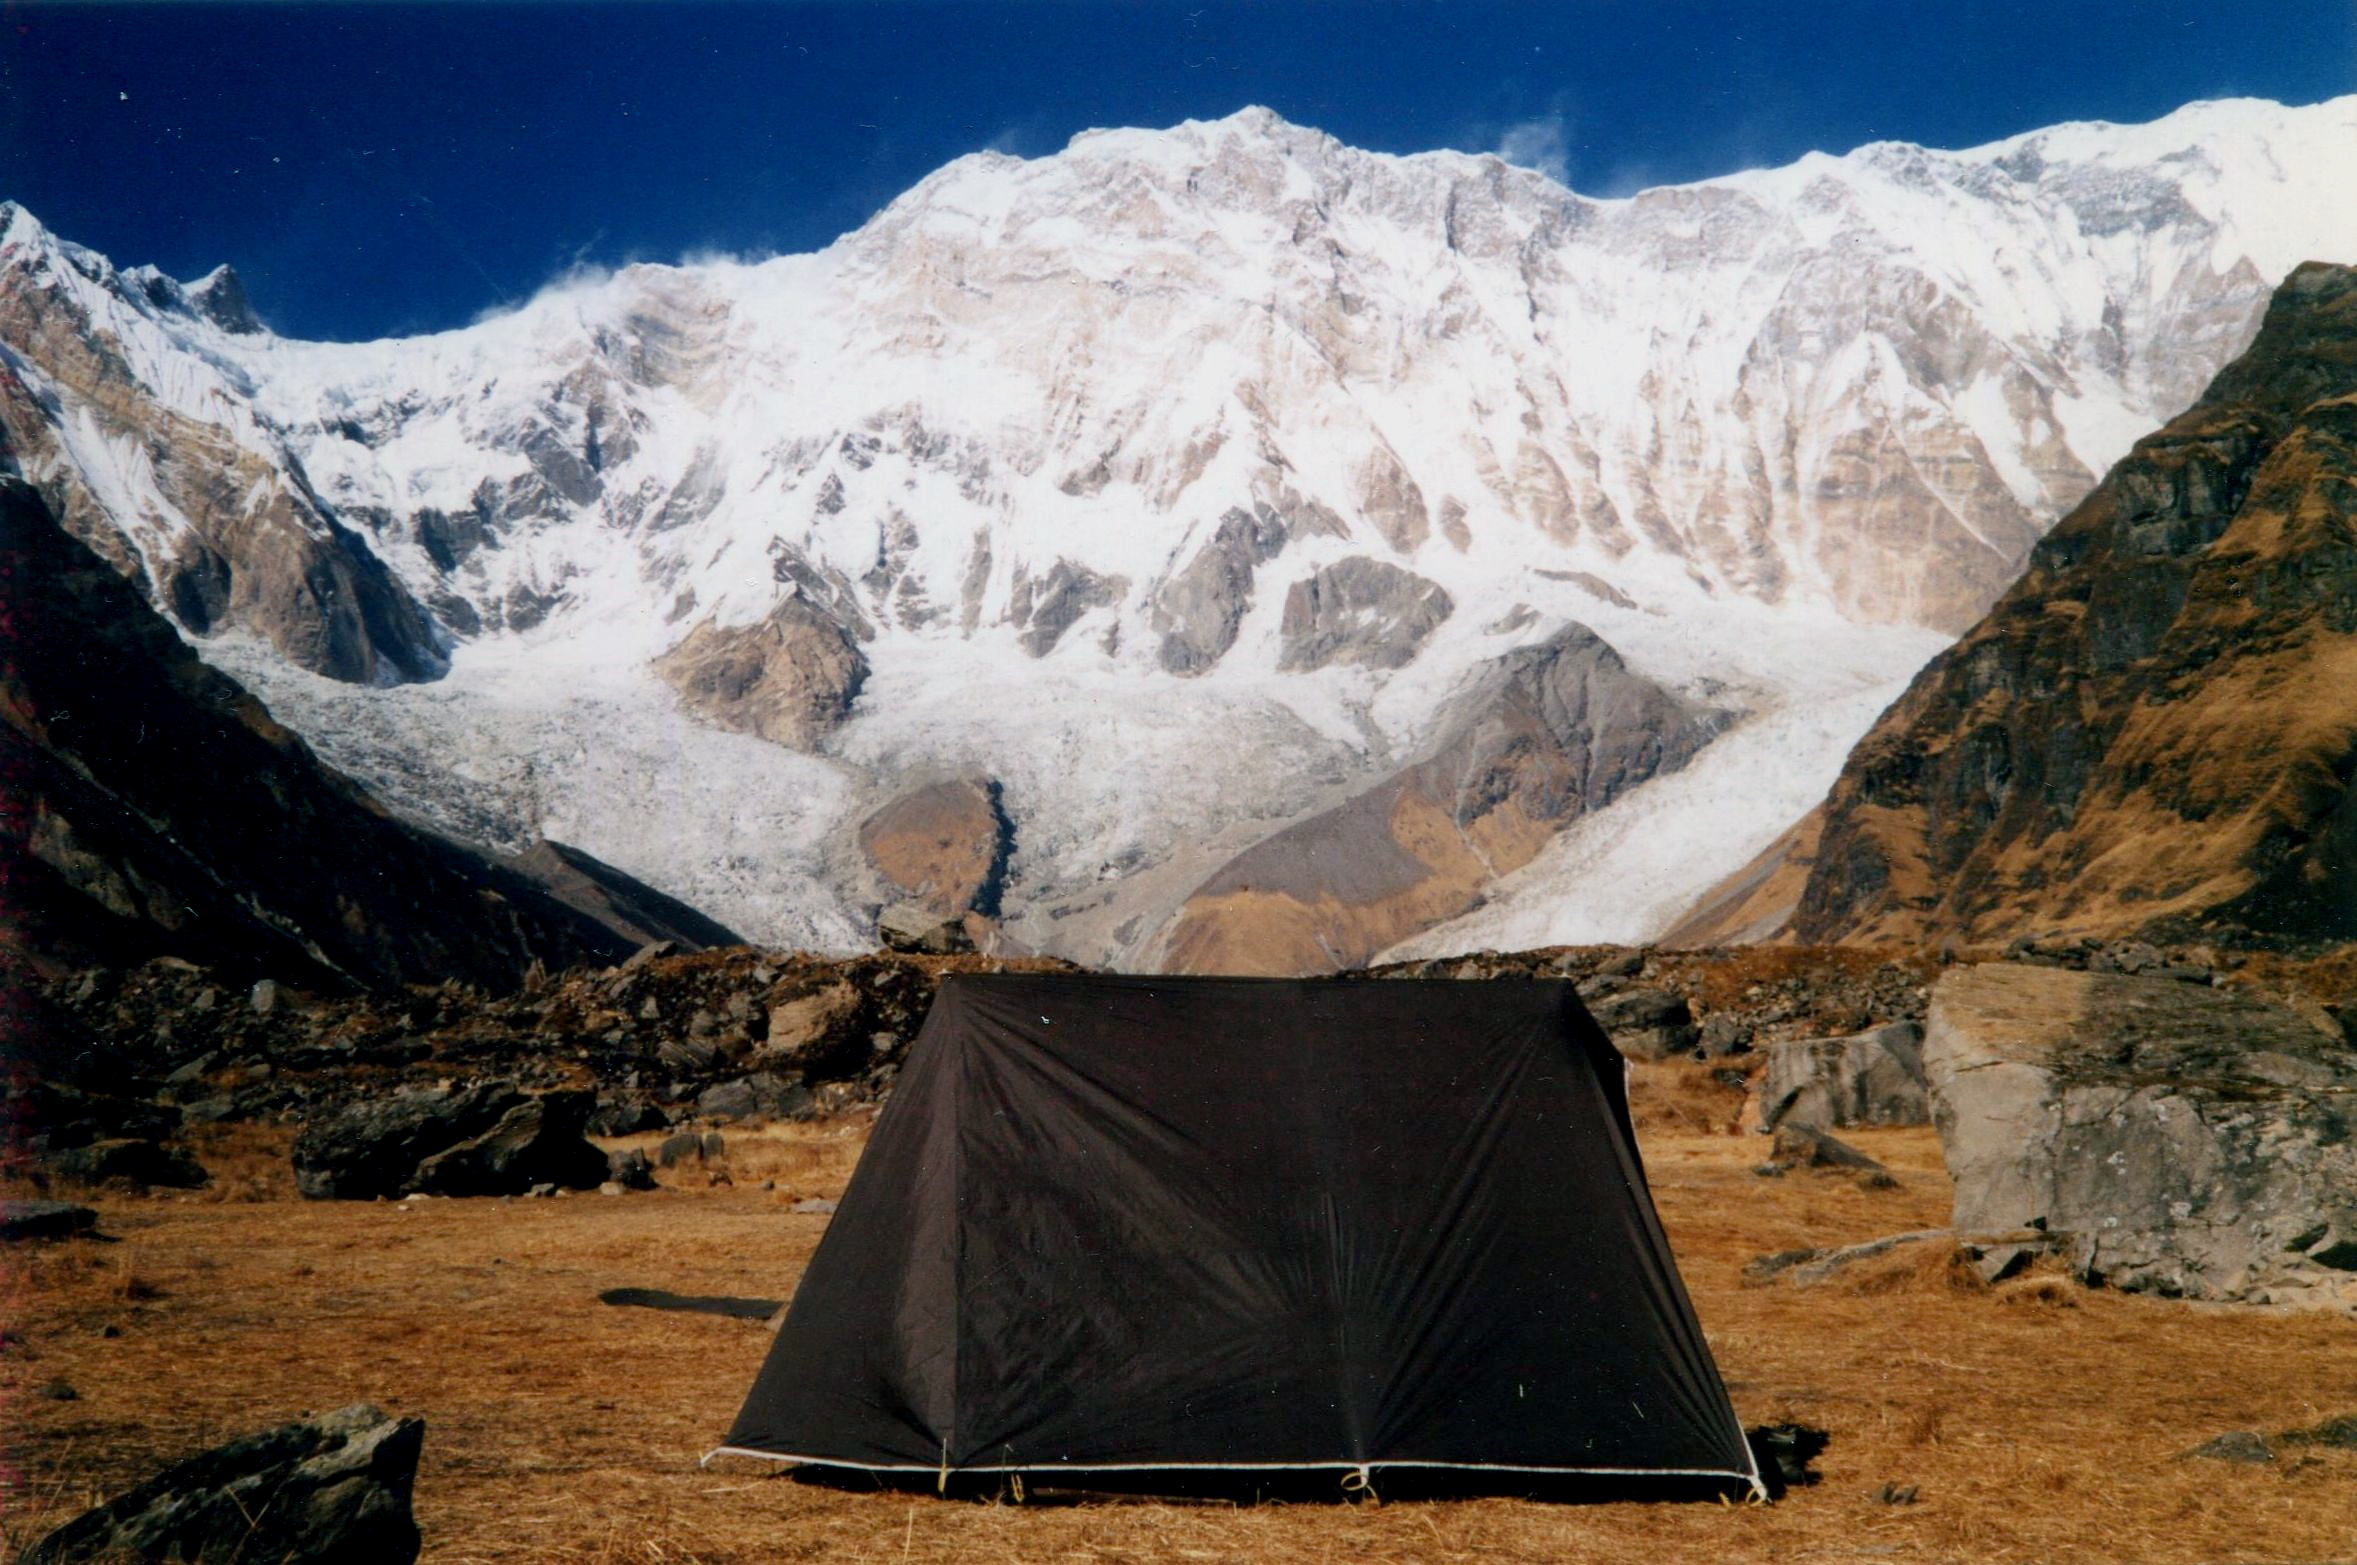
(154, 808)
(1226, 438)
(2156, 729)
(204, 506)
(1546, 734)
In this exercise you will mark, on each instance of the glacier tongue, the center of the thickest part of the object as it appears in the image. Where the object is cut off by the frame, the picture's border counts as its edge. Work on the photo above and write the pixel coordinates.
(1060, 445)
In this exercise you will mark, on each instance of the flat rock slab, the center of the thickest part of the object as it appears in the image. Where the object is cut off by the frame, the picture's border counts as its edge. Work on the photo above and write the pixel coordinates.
(2188, 1141)
(44, 1220)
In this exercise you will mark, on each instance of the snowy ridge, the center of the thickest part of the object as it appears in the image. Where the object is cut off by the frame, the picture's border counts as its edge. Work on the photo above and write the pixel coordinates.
(1771, 435)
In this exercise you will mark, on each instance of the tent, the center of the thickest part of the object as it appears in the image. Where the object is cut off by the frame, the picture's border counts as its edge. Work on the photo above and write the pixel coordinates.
(1115, 1223)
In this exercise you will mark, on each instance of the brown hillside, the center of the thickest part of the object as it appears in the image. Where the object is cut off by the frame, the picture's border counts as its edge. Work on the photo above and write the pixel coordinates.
(2156, 729)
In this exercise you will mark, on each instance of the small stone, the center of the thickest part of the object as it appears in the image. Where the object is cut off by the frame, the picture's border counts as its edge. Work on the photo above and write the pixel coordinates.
(265, 996)
(2339, 1433)
(813, 1206)
(1896, 1494)
(60, 1391)
(609, 1188)
(2236, 1445)
(630, 1169)
(1803, 1146)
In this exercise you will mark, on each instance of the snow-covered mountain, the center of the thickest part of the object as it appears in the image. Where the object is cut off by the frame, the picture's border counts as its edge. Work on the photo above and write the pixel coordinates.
(1174, 484)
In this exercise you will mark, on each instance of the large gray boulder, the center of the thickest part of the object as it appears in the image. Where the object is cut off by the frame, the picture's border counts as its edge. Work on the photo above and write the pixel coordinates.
(329, 1489)
(1870, 1078)
(2184, 1140)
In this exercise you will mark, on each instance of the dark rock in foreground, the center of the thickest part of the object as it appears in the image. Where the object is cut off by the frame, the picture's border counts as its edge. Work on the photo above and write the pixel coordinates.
(44, 1220)
(333, 1490)
(486, 1139)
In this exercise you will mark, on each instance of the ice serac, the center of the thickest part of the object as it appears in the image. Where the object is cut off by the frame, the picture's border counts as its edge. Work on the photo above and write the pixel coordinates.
(1546, 734)
(1025, 478)
(2156, 729)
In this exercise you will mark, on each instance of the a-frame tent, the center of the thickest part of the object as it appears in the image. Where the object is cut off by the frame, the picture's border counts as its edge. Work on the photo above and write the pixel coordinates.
(1113, 1223)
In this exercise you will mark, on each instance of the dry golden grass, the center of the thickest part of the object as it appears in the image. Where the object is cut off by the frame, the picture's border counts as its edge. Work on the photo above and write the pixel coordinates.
(562, 1430)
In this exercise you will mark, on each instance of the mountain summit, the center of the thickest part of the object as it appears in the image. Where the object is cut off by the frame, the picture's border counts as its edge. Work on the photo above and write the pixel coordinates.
(1173, 487)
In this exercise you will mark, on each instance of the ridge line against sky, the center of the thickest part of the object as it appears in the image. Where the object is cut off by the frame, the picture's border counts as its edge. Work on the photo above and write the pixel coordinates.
(390, 168)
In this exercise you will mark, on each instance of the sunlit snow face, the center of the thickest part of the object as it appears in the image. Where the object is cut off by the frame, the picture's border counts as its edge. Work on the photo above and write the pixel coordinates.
(1772, 436)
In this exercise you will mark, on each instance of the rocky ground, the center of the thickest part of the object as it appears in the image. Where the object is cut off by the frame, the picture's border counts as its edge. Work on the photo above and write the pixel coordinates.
(740, 1036)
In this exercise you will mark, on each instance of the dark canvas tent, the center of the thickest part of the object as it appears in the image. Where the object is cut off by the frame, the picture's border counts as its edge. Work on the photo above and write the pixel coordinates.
(1116, 1223)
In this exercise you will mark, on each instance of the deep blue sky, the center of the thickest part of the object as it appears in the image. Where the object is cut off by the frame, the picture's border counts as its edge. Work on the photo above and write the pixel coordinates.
(392, 168)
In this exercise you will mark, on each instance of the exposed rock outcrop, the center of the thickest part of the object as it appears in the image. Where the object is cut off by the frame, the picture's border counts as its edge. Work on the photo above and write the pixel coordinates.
(1198, 607)
(2156, 728)
(1546, 734)
(1363, 611)
(154, 807)
(1052, 604)
(2184, 1140)
(790, 679)
(485, 1139)
(331, 1490)
(943, 845)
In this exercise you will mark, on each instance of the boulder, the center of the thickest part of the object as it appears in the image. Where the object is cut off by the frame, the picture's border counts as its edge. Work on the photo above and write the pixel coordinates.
(130, 1162)
(627, 1168)
(488, 1138)
(2236, 1445)
(913, 926)
(1805, 1268)
(1871, 1078)
(1723, 1035)
(1805, 1146)
(330, 1489)
(2182, 1140)
(44, 1220)
(685, 1146)
(1646, 1024)
(538, 1141)
(809, 1025)
(762, 1095)
(59, 1117)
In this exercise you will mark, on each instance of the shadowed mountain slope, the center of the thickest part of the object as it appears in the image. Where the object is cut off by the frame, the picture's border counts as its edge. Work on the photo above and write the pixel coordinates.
(154, 808)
